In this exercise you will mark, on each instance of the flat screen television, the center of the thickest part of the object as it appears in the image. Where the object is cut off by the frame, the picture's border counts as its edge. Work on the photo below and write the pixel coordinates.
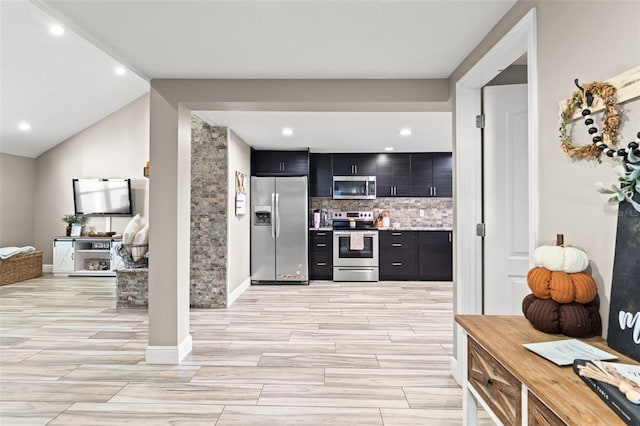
(108, 197)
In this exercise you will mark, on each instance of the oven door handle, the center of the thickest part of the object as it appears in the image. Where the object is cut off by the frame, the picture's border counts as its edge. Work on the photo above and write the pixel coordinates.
(347, 233)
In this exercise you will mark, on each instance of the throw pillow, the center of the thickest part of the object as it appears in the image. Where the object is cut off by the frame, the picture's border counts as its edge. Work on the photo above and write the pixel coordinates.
(141, 239)
(131, 229)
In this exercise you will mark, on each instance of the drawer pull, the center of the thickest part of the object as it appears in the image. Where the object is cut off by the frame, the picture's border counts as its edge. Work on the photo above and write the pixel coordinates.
(397, 264)
(396, 234)
(321, 234)
(321, 245)
(486, 382)
(396, 245)
(321, 263)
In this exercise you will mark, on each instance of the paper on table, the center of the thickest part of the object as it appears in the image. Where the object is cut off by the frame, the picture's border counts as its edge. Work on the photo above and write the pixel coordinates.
(630, 371)
(563, 352)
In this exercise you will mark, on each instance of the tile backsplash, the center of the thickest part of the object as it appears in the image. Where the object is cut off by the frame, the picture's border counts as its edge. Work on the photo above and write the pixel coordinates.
(405, 211)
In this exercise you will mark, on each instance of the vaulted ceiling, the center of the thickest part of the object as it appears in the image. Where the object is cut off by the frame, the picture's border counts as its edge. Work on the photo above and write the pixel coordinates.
(62, 84)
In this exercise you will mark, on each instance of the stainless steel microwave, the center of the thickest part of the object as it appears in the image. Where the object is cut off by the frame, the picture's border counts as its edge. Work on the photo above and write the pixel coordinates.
(354, 187)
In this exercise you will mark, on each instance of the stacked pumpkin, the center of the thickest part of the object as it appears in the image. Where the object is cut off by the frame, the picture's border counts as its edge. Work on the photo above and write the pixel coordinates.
(564, 297)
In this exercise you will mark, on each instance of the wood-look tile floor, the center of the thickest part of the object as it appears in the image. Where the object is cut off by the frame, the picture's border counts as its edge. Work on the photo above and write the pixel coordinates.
(324, 354)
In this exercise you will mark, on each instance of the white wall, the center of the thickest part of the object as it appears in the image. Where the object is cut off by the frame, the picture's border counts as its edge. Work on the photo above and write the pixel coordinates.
(238, 246)
(17, 186)
(114, 147)
(568, 201)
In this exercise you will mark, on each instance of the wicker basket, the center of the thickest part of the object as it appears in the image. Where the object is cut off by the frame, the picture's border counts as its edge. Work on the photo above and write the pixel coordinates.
(129, 252)
(21, 267)
(97, 264)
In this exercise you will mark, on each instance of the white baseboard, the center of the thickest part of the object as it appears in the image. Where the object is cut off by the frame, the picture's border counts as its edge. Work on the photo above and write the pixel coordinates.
(238, 291)
(455, 371)
(47, 269)
(168, 354)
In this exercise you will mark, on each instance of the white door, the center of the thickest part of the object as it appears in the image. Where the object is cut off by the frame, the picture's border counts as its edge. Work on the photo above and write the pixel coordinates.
(505, 199)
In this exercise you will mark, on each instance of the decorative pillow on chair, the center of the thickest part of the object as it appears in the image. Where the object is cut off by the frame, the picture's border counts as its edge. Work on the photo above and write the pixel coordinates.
(141, 239)
(131, 230)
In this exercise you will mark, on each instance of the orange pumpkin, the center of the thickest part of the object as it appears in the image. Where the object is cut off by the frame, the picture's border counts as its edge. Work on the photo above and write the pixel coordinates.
(586, 289)
(562, 287)
(538, 281)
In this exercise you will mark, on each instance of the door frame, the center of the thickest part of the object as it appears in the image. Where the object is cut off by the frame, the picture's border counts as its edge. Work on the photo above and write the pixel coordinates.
(468, 266)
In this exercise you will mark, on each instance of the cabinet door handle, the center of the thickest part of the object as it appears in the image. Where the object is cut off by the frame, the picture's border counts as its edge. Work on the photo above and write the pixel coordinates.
(397, 264)
(321, 245)
(486, 381)
(396, 245)
(321, 234)
(396, 234)
(450, 237)
(321, 264)
(356, 166)
(435, 191)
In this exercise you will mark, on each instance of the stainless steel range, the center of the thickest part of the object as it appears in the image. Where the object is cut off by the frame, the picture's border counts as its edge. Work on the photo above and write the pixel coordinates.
(355, 247)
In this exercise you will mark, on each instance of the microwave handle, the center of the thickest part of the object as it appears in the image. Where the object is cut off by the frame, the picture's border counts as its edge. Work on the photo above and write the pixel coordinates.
(366, 187)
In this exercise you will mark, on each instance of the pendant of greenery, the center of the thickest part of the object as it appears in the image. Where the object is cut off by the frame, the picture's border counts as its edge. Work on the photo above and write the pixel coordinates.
(629, 178)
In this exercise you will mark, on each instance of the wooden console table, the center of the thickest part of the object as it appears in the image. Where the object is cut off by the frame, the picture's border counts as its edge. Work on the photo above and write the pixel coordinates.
(517, 386)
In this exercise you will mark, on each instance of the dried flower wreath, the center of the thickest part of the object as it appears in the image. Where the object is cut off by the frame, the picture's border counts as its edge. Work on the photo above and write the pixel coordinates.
(610, 120)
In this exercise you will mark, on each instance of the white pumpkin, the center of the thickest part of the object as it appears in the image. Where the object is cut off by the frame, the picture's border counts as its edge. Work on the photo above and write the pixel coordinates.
(559, 258)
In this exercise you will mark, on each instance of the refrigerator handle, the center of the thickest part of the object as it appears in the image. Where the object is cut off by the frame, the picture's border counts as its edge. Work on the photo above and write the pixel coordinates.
(277, 215)
(273, 216)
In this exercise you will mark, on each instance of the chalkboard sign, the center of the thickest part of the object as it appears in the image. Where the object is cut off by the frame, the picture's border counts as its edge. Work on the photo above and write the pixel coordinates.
(624, 313)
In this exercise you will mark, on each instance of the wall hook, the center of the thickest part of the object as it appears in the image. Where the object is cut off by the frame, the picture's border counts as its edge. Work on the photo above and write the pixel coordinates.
(587, 96)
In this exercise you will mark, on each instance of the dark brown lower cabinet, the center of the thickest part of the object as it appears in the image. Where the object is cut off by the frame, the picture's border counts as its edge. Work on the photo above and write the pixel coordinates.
(435, 256)
(398, 255)
(320, 255)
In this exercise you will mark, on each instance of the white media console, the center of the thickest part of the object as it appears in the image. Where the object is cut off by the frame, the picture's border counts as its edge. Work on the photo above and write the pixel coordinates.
(93, 256)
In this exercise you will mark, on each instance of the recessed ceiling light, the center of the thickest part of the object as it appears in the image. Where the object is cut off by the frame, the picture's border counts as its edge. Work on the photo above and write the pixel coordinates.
(120, 70)
(287, 131)
(56, 29)
(388, 148)
(24, 126)
(405, 132)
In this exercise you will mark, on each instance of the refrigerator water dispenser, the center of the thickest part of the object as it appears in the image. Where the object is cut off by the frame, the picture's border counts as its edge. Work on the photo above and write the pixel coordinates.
(262, 216)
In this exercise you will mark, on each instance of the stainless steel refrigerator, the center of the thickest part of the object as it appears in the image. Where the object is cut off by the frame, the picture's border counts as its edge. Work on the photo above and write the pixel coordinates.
(279, 230)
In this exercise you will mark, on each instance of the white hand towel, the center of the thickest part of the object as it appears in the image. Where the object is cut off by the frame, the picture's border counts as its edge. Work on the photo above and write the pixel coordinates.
(356, 241)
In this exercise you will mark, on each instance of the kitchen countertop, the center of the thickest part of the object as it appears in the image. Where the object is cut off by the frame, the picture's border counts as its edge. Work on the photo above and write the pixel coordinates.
(400, 228)
(416, 228)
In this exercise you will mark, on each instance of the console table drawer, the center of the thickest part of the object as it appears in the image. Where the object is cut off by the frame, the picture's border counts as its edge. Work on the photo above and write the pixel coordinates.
(499, 388)
(539, 414)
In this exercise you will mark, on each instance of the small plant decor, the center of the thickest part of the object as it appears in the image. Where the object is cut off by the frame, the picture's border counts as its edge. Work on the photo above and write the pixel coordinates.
(629, 178)
(70, 219)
